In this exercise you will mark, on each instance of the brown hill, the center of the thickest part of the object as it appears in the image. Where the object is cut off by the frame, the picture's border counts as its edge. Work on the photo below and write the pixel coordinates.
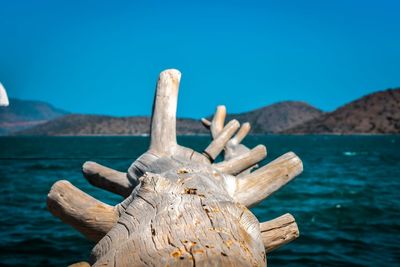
(269, 119)
(376, 113)
(23, 114)
(278, 117)
(77, 124)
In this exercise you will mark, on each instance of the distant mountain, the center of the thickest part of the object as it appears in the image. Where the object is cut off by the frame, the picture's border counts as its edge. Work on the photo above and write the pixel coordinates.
(270, 119)
(278, 117)
(23, 114)
(376, 113)
(76, 124)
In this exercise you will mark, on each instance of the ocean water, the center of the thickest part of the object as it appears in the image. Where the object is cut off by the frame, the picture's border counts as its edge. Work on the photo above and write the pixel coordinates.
(346, 202)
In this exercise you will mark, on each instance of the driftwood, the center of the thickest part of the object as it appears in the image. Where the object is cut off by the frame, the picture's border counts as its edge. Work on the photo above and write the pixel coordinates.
(181, 208)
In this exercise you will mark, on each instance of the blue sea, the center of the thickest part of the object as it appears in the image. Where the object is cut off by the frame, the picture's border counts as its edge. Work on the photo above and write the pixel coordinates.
(346, 202)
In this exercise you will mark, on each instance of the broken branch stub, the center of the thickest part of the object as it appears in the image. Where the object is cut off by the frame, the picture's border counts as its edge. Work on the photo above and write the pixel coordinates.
(258, 185)
(241, 134)
(217, 145)
(163, 121)
(86, 214)
(278, 232)
(180, 209)
(218, 121)
(242, 162)
(107, 178)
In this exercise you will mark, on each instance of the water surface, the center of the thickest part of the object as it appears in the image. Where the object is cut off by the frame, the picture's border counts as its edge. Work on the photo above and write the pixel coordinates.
(346, 202)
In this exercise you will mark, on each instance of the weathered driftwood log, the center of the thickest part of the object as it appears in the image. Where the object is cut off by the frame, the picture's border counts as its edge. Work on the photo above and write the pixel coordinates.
(181, 208)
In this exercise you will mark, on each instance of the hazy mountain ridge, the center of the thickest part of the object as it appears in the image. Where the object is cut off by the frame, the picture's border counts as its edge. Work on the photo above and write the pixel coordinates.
(269, 119)
(79, 124)
(376, 113)
(23, 114)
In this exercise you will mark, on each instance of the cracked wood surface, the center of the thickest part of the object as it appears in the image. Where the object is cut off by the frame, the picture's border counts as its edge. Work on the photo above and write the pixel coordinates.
(216, 231)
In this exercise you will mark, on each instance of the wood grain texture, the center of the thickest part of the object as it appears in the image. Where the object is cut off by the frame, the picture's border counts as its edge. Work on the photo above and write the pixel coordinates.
(216, 232)
(278, 232)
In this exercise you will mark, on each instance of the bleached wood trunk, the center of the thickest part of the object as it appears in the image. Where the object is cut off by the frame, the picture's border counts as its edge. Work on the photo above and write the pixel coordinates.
(182, 218)
(181, 208)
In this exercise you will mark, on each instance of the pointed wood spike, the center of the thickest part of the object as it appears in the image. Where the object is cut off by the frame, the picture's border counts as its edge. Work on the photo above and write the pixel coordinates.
(218, 121)
(106, 178)
(258, 185)
(243, 161)
(278, 232)
(86, 214)
(218, 144)
(163, 122)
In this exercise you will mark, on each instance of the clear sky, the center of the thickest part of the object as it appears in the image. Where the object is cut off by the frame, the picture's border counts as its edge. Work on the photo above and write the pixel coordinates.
(103, 57)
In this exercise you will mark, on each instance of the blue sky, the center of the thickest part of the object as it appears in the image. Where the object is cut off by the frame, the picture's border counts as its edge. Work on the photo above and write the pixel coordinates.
(103, 57)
